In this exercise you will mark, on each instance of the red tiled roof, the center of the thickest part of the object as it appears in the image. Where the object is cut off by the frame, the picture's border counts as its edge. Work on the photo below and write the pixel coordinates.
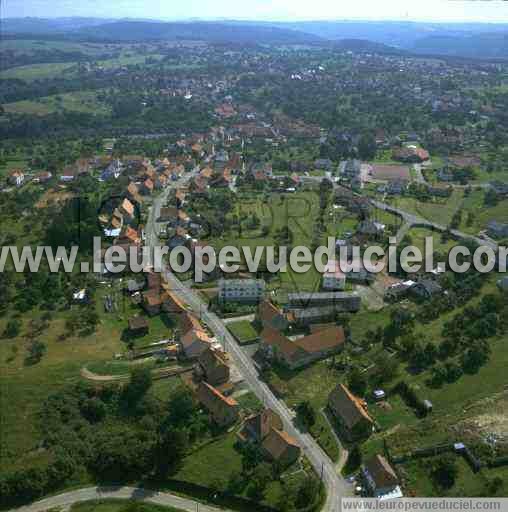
(325, 339)
(212, 398)
(347, 406)
(381, 472)
(277, 442)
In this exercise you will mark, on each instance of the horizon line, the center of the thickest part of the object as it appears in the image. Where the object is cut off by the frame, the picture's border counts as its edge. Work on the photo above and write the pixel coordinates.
(262, 20)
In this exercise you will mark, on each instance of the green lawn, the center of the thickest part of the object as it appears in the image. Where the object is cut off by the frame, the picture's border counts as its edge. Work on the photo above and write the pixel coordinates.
(212, 463)
(395, 412)
(384, 156)
(243, 331)
(299, 213)
(481, 215)
(215, 462)
(468, 483)
(250, 402)
(323, 434)
(160, 326)
(418, 236)
(439, 210)
(114, 505)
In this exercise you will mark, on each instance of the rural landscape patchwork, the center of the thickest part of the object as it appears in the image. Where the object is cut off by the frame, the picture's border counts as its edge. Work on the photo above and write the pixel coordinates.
(207, 384)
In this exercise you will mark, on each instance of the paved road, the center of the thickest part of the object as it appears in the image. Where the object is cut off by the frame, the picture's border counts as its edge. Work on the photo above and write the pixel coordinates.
(130, 493)
(336, 486)
(414, 220)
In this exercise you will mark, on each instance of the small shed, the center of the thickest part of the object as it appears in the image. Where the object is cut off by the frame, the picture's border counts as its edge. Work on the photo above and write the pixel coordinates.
(80, 296)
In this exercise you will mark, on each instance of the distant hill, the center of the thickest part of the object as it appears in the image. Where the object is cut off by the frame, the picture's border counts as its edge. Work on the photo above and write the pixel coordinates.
(203, 31)
(469, 40)
(393, 33)
(48, 26)
(492, 46)
(362, 45)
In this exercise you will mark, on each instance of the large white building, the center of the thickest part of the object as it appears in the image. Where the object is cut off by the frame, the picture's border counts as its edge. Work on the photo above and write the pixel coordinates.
(333, 277)
(241, 290)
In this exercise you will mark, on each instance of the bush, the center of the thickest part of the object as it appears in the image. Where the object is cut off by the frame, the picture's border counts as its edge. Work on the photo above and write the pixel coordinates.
(35, 352)
(444, 471)
(13, 328)
(410, 397)
(306, 414)
(357, 382)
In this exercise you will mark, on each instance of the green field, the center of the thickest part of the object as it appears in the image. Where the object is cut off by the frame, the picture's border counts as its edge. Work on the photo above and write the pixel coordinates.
(243, 331)
(481, 215)
(29, 46)
(453, 403)
(217, 461)
(439, 210)
(26, 387)
(160, 327)
(418, 236)
(127, 59)
(43, 71)
(40, 71)
(213, 463)
(299, 213)
(83, 101)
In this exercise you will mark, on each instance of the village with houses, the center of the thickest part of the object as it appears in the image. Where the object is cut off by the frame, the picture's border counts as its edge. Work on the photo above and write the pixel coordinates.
(293, 389)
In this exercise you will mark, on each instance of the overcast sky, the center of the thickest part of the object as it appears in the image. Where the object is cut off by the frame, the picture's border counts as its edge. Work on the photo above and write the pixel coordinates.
(417, 10)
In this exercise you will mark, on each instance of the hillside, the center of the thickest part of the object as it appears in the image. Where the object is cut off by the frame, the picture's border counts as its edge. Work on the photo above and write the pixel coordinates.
(392, 33)
(48, 26)
(470, 40)
(203, 31)
(493, 46)
(362, 45)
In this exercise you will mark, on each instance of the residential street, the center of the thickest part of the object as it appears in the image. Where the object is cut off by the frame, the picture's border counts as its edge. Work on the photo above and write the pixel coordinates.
(130, 493)
(336, 486)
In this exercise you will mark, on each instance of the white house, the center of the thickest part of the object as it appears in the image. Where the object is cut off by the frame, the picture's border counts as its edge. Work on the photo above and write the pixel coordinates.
(380, 479)
(17, 177)
(241, 290)
(68, 174)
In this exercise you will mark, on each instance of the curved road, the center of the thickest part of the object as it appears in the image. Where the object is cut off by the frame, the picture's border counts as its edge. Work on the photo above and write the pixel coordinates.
(127, 493)
(336, 486)
(414, 220)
